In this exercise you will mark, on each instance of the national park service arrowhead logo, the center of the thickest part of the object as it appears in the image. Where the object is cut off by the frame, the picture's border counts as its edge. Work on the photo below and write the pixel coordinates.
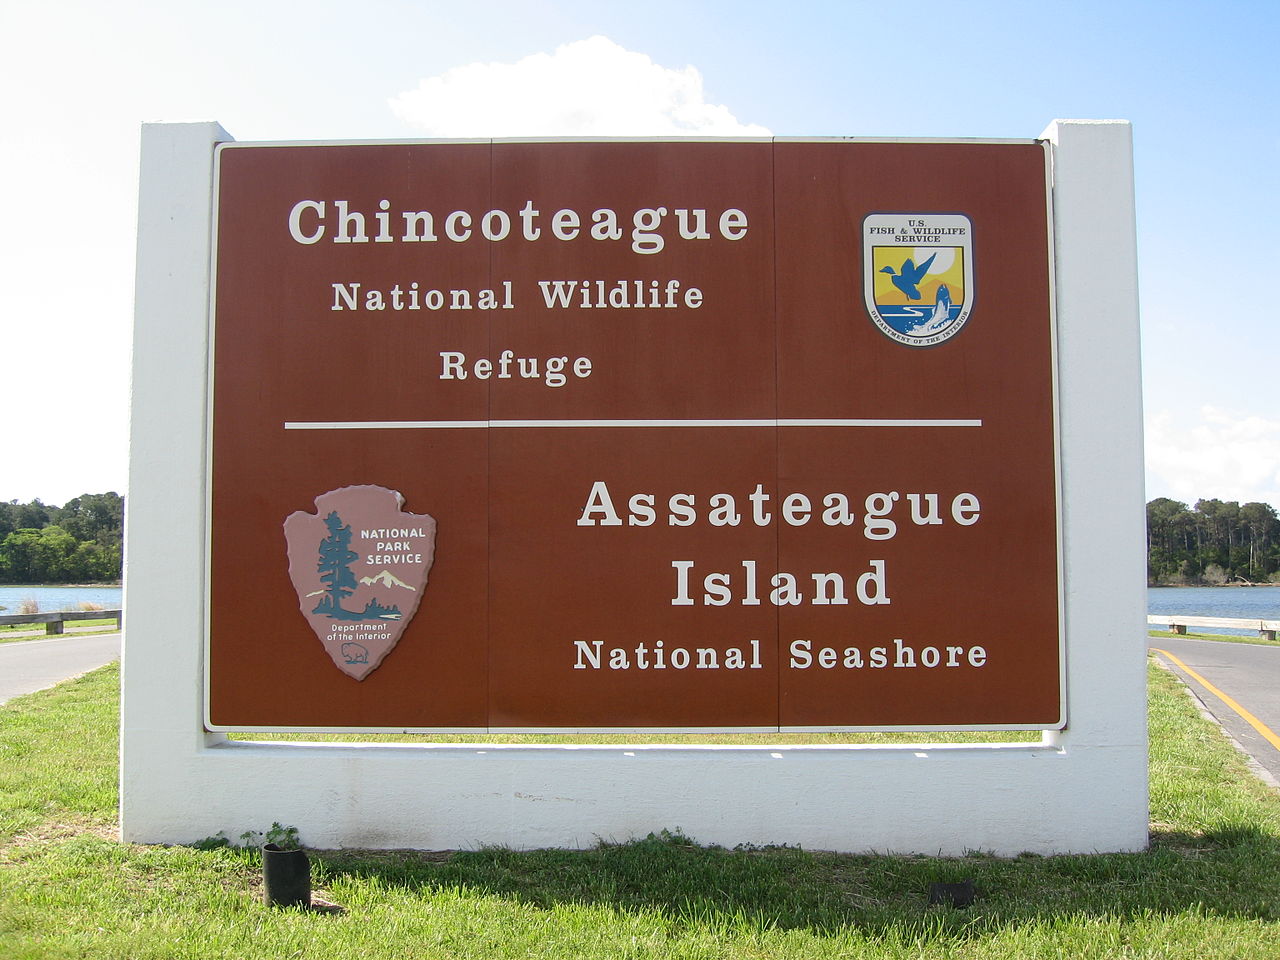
(359, 565)
(917, 275)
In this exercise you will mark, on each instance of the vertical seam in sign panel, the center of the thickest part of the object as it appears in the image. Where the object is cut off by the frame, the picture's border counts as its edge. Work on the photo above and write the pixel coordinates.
(777, 429)
(488, 486)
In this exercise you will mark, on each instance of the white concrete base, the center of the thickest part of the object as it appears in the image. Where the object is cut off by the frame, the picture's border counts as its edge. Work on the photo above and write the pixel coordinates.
(1083, 790)
(933, 800)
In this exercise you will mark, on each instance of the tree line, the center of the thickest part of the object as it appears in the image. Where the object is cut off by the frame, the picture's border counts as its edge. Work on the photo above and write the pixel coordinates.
(1214, 542)
(79, 542)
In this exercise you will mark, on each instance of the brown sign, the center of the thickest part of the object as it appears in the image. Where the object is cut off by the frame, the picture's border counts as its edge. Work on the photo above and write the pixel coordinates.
(710, 435)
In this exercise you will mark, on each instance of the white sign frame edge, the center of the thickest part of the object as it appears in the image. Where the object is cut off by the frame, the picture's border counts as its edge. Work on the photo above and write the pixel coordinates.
(1082, 789)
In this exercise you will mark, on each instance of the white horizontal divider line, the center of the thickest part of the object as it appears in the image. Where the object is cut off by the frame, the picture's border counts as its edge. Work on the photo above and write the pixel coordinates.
(536, 424)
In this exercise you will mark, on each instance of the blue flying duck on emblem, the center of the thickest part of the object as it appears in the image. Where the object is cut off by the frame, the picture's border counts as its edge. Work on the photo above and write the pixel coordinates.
(909, 276)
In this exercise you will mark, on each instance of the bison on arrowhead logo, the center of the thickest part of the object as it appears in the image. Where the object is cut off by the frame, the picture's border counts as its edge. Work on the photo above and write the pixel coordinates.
(359, 565)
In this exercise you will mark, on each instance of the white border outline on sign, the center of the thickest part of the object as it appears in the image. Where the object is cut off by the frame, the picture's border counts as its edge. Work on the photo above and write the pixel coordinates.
(1047, 730)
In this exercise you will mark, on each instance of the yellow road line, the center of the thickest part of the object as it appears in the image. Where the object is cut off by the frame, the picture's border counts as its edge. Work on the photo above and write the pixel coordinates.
(1245, 715)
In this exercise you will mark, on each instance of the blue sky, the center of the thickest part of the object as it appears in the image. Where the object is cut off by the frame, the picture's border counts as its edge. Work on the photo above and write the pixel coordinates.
(1197, 80)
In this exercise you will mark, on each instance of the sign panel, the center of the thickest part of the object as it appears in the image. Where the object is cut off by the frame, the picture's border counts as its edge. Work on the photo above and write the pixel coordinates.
(661, 435)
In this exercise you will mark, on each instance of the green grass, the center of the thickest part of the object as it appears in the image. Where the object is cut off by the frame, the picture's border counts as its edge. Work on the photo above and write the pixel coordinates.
(1220, 637)
(1208, 888)
(15, 632)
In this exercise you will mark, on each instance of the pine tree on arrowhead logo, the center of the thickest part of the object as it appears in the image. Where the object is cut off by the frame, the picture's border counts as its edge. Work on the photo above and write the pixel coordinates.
(336, 557)
(359, 565)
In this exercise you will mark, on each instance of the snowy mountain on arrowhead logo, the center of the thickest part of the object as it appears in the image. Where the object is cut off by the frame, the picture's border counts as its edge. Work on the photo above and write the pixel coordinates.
(387, 579)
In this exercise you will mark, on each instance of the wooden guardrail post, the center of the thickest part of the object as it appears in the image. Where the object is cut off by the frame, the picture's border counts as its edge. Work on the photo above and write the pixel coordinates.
(1177, 623)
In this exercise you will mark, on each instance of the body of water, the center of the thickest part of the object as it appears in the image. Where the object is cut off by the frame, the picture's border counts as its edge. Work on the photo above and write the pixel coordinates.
(1245, 603)
(54, 599)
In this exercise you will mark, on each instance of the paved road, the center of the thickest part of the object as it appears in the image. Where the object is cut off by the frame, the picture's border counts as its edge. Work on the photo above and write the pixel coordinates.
(31, 665)
(1247, 673)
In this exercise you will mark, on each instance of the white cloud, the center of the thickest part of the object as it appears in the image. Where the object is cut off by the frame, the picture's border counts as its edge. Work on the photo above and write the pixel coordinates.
(589, 88)
(1220, 455)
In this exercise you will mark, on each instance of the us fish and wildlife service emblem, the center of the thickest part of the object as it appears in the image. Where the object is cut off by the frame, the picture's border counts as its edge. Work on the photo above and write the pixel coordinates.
(917, 275)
